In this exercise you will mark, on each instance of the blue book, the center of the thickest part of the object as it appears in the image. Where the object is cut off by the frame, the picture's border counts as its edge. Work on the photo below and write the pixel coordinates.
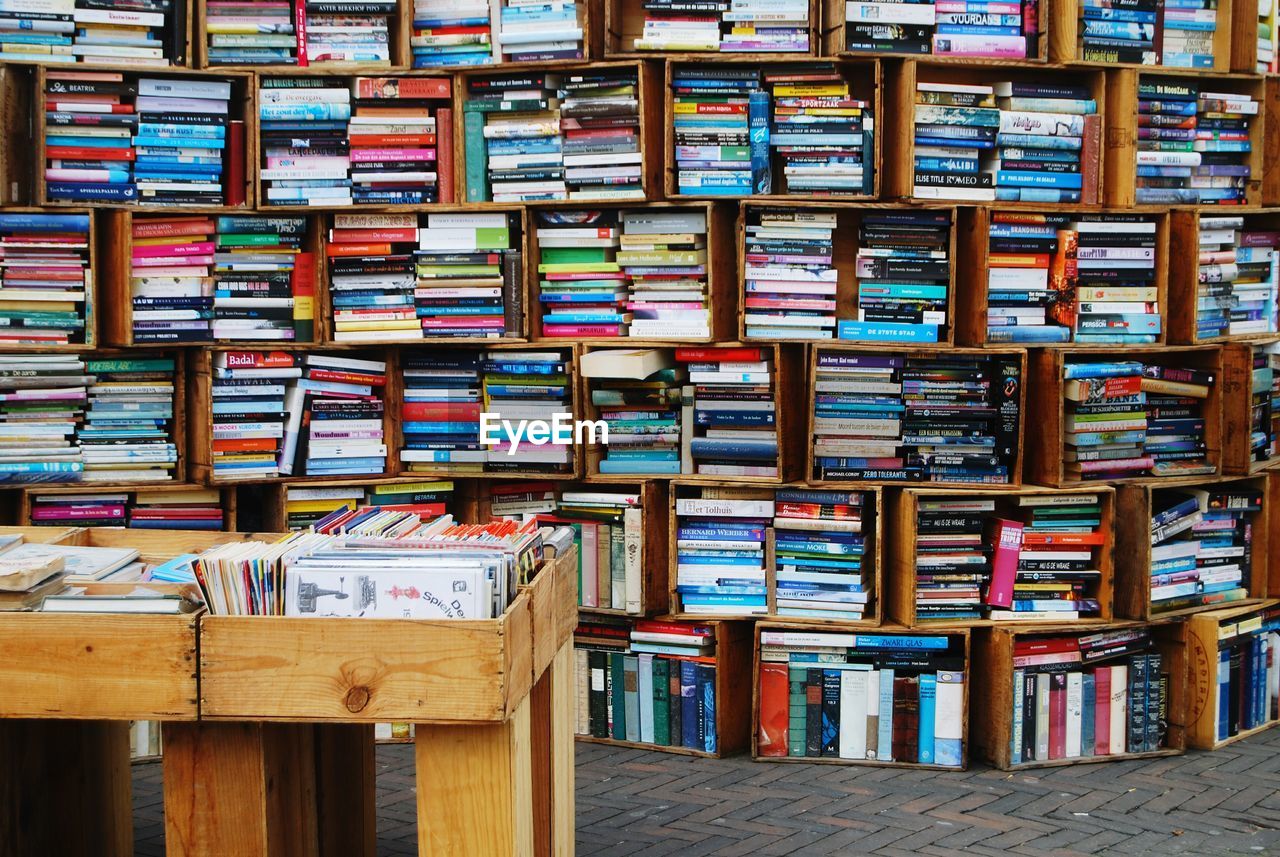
(913, 642)
(1071, 181)
(883, 331)
(640, 466)
(689, 705)
(89, 192)
(1088, 700)
(928, 697)
(884, 736)
(20, 222)
(758, 110)
(1224, 694)
(1015, 731)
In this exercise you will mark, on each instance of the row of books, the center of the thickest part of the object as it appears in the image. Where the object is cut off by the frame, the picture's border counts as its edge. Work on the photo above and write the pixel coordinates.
(647, 681)
(741, 130)
(456, 34)
(199, 509)
(889, 698)
(329, 141)
(153, 33)
(1193, 144)
(312, 506)
(1149, 32)
(1010, 142)
(1239, 274)
(1089, 279)
(1247, 675)
(115, 137)
(1104, 694)
(543, 136)
(289, 414)
(1264, 402)
(1129, 418)
(1202, 545)
(298, 32)
(950, 28)
(46, 278)
(1033, 557)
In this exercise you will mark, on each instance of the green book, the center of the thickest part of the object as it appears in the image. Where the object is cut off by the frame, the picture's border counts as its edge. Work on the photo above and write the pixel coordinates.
(618, 567)
(797, 723)
(477, 160)
(556, 255)
(661, 702)
(616, 661)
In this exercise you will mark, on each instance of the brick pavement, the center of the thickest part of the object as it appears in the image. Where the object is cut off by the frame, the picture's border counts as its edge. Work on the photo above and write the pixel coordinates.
(633, 803)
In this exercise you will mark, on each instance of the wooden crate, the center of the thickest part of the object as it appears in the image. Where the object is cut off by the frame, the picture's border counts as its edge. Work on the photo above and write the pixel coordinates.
(116, 272)
(865, 83)
(271, 504)
(1065, 33)
(900, 552)
(992, 700)
(887, 630)
(1271, 140)
(1204, 633)
(649, 88)
(199, 402)
(1133, 546)
(1017, 355)
(1046, 407)
(974, 258)
(386, 670)
(845, 243)
(784, 380)
(624, 23)
(1244, 39)
(1237, 410)
(721, 275)
(733, 694)
(13, 178)
(834, 42)
(27, 499)
(653, 560)
(17, 89)
(242, 106)
(899, 127)
(1121, 133)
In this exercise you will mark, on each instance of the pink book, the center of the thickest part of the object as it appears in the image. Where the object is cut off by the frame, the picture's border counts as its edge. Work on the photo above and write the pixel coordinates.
(1007, 540)
(581, 330)
(962, 45)
(198, 248)
(1102, 711)
(362, 155)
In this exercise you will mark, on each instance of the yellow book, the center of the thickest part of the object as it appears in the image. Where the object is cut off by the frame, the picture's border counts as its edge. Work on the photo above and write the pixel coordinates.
(413, 487)
(293, 506)
(153, 498)
(396, 324)
(812, 90)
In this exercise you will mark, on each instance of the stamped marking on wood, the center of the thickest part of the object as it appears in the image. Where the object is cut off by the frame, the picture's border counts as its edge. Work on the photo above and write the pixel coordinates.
(1199, 669)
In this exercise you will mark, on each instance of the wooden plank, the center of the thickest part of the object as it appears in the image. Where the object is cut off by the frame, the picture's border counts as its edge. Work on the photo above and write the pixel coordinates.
(346, 800)
(1120, 138)
(551, 706)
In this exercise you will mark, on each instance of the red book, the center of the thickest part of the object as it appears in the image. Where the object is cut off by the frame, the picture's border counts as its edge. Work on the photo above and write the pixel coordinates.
(346, 377)
(1090, 156)
(235, 184)
(775, 710)
(300, 31)
(444, 153)
(522, 488)
(392, 140)
(302, 282)
(656, 627)
(444, 412)
(1102, 711)
(172, 227)
(405, 87)
(1058, 716)
(365, 249)
(1006, 540)
(714, 355)
(254, 360)
(1045, 646)
(80, 152)
(422, 510)
(343, 236)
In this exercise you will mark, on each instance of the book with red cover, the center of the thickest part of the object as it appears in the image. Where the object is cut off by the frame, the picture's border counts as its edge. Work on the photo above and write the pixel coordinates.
(302, 282)
(775, 710)
(1058, 715)
(716, 355)
(1006, 541)
(906, 719)
(235, 180)
(444, 154)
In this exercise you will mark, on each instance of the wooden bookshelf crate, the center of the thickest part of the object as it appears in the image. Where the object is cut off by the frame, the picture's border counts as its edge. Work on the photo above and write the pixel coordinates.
(649, 89)
(652, 560)
(785, 383)
(94, 334)
(721, 274)
(1238, 409)
(864, 75)
(242, 107)
(199, 402)
(1016, 356)
(1121, 133)
(1065, 34)
(1205, 632)
(963, 634)
(974, 260)
(1047, 409)
(1184, 267)
(1244, 39)
(835, 42)
(115, 249)
(901, 525)
(991, 716)
(624, 24)
(270, 503)
(27, 500)
(845, 246)
(899, 128)
(519, 221)
(732, 689)
(17, 122)
(1133, 546)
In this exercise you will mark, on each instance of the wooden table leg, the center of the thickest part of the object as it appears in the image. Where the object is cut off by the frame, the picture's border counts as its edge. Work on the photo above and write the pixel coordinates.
(552, 712)
(345, 796)
(65, 788)
(475, 785)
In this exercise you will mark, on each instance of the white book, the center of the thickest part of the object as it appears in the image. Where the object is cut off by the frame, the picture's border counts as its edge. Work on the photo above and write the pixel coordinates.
(645, 690)
(853, 714)
(873, 715)
(1042, 717)
(1075, 713)
(1119, 708)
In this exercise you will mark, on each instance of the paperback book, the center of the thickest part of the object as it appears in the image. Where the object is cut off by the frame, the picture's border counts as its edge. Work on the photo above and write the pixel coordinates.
(46, 279)
(1202, 544)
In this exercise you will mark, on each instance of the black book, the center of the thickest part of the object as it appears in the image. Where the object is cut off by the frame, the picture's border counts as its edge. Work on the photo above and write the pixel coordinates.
(597, 708)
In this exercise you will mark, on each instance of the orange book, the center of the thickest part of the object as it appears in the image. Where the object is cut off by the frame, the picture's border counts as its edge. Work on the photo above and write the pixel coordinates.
(393, 140)
(358, 250)
(775, 710)
(172, 227)
(252, 444)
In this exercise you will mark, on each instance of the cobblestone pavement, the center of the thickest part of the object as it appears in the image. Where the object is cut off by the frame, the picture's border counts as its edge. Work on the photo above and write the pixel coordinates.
(633, 802)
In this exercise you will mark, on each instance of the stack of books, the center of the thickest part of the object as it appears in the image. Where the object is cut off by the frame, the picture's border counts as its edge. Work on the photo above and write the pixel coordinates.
(42, 403)
(742, 26)
(248, 412)
(790, 277)
(306, 153)
(1264, 398)
(528, 385)
(823, 137)
(45, 278)
(720, 550)
(638, 396)
(80, 510)
(600, 127)
(1008, 141)
(94, 31)
(721, 127)
(1186, 37)
(1128, 38)
(90, 122)
(881, 697)
(397, 127)
(663, 255)
(335, 418)
(441, 411)
(1104, 694)
(952, 28)
(263, 281)
(821, 566)
(1224, 123)
(254, 32)
(733, 412)
(1065, 278)
(1268, 37)
(647, 682)
(171, 282)
(451, 33)
(1202, 542)
(1244, 692)
(903, 268)
(349, 31)
(582, 291)
(128, 431)
(1239, 275)
(152, 510)
(540, 32)
(1126, 419)
(305, 506)
(180, 120)
(953, 559)
(512, 138)
(916, 419)
(608, 529)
